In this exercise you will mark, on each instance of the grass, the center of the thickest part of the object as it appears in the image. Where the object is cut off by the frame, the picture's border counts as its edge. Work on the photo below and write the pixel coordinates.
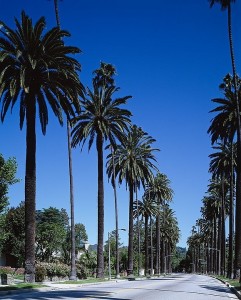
(89, 280)
(21, 286)
(233, 282)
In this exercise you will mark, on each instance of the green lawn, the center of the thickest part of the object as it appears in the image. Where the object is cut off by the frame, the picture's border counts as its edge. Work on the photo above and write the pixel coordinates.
(89, 280)
(234, 282)
(20, 286)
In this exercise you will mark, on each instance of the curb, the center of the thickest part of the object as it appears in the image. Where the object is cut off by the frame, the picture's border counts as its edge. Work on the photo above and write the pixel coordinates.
(232, 288)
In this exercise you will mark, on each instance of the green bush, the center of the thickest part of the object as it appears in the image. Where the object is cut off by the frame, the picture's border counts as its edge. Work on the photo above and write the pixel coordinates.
(6, 270)
(40, 273)
(80, 272)
(55, 269)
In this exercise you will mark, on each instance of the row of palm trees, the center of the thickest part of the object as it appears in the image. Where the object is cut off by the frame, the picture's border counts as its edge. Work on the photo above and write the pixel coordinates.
(210, 243)
(154, 205)
(229, 130)
(39, 71)
(223, 198)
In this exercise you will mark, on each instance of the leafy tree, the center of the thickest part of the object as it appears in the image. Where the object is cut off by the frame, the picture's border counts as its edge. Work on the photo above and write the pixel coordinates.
(36, 69)
(51, 231)
(102, 119)
(14, 226)
(8, 169)
(88, 261)
(80, 236)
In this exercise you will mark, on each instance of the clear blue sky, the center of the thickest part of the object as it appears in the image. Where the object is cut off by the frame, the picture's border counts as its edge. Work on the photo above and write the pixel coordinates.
(171, 57)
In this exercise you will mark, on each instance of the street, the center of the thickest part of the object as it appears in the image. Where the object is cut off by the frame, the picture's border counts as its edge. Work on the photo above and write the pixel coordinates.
(176, 286)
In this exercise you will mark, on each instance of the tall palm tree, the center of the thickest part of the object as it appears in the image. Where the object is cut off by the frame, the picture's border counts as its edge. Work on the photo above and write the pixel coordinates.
(161, 191)
(134, 162)
(104, 77)
(224, 127)
(219, 187)
(36, 69)
(147, 209)
(71, 182)
(226, 5)
(101, 119)
(222, 165)
(224, 124)
(169, 233)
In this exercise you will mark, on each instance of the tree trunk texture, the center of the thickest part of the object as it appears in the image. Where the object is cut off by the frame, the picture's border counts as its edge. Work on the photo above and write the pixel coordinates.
(100, 254)
(130, 243)
(30, 192)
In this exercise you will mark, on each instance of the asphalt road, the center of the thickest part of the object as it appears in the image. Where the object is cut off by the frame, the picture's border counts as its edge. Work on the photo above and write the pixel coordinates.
(173, 287)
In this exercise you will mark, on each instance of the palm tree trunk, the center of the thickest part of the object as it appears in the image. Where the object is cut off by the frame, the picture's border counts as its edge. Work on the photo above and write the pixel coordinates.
(151, 241)
(158, 243)
(231, 221)
(223, 235)
(146, 246)
(73, 264)
(130, 243)
(100, 254)
(71, 182)
(138, 238)
(238, 185)
(30, 193)
(116, 218)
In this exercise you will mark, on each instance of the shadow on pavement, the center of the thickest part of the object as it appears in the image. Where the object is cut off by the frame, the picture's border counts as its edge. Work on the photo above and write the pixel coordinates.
(63, 294)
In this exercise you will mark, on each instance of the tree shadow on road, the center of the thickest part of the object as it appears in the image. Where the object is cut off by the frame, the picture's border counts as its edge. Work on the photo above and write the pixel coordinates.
(63, 294)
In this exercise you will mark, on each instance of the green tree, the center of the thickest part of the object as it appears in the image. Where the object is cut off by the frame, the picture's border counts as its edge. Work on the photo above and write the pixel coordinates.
(134, 162)
(8, 169)
(88, 261)
(36, 69)
(51, 231)
(80, 237)
(14, 226)
(102, 119)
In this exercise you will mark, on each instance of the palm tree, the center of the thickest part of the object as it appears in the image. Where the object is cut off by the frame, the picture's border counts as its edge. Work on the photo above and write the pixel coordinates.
(71, 182)
(226, 5)
(134, 163)
(221, 166)
(104, 77)
(224, 124)
(36, 68)
(224, 127)
(169, 233)
(147, 209)
(161, 191)
(101, 119)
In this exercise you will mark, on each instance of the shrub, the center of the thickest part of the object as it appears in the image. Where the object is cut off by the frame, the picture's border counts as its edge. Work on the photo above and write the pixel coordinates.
(6, 270)
(80, 272)
(40, 273)
(55, 269)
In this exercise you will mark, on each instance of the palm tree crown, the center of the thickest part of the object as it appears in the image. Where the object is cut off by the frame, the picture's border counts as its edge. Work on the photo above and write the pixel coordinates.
(36, 68)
